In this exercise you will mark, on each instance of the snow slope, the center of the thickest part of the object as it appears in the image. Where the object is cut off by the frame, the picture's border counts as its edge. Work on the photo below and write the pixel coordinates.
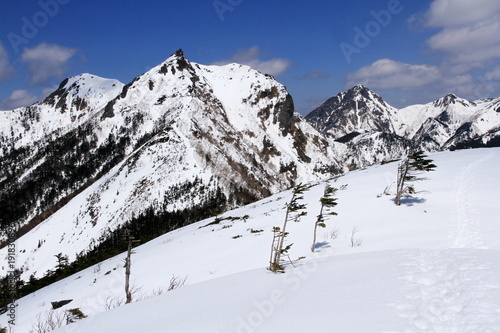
(430, 265)
(176, 132)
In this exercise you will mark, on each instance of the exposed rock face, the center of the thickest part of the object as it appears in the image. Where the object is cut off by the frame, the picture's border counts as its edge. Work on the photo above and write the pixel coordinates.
(448, 123)
(356, 110)
(181, 136)
(194, 140)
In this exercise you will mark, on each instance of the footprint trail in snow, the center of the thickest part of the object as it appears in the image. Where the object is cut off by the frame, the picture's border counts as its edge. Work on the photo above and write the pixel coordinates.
(453, 290)
(450, 291)
(467, 234)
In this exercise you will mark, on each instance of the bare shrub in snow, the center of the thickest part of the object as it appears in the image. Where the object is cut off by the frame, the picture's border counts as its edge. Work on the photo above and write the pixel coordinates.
(113, 302)
(355, 241)
(48, 322)
(333, 234)
(176, 282)
(54, 319)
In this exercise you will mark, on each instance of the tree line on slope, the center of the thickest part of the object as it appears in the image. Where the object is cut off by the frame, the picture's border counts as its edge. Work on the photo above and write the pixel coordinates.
(153, 222)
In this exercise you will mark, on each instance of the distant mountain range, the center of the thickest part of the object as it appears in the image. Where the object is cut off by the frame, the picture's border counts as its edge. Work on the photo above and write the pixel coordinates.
(194, 140)
(448, 123)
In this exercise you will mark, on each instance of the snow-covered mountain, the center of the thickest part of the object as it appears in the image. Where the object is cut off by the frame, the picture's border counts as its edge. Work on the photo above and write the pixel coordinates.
(185, 141)
(356, 111)
(363, 124)
(178, 138)
(429, 265)
(75, 102)
(450, 122)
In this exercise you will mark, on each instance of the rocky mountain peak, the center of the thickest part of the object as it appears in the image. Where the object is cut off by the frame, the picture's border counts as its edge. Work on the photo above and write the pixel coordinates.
(179, 53)
(452, 99)
(177, 130)
(176, 62)
(360, 89)
(356, 110)
(361, 93)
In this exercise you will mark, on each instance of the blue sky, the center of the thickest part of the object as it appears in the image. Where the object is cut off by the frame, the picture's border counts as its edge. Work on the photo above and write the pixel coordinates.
(407, 51)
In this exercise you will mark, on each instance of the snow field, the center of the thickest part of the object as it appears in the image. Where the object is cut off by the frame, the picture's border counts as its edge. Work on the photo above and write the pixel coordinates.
(430, 265)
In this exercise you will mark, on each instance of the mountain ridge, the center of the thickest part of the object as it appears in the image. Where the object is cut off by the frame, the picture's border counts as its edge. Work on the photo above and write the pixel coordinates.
(184, 136)
(179, 137)
(447, 123)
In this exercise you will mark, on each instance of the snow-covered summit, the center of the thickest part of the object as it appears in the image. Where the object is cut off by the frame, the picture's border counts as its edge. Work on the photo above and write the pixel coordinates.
(452, 99)
(181, 137)
(74, 102)
(357, 110)
(449, 122)
(84, 90)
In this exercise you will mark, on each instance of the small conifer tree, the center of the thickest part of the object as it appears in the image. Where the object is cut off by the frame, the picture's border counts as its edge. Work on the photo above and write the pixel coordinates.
(62, 261)
(72, 315)
(408, 171)
(327, 203)
(294, 211)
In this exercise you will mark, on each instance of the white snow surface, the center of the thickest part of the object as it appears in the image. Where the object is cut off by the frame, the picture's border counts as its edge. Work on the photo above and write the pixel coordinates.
(19, 126)
(430, 265)
(200, 112)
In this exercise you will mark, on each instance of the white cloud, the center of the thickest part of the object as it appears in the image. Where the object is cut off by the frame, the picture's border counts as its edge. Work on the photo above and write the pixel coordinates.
(467, 40)
(470, 31)
(23, 97)
(390, 74)
(453, 13)
(47, 61)
(18, 98)
(470, 44)
(424, 80)
(251, 57)
(457, 80)
(6, 70)
(493, 75)
(461, 85)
